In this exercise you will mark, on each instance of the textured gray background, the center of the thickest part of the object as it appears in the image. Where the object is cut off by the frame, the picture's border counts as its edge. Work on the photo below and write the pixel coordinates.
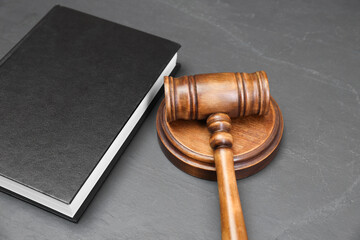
(311, 52)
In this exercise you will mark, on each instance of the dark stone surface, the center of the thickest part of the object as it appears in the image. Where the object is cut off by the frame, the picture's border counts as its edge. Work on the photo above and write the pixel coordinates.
(311, 52)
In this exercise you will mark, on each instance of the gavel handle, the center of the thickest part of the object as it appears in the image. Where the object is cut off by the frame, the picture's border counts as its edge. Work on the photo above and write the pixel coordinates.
(232, 220)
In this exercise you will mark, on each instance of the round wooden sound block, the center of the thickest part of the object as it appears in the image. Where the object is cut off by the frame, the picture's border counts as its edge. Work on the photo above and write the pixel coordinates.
(186, 143)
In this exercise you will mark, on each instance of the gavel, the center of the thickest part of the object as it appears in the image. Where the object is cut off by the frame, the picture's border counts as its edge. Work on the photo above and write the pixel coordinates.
(218, 97)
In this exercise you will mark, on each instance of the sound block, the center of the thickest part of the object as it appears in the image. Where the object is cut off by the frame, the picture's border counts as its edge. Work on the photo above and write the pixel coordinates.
(186, 143)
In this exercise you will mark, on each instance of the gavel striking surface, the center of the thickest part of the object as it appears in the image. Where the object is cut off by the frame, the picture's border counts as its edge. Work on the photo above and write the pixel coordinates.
(186, 143)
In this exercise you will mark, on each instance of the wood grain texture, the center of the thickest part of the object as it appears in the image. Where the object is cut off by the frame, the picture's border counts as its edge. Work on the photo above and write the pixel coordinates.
(232, 220)
(218, 97)
(255, 143)
(198, 96)
(254, 140)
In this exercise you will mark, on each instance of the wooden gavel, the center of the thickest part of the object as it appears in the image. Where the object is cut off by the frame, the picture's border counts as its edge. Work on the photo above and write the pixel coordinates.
(218, 97)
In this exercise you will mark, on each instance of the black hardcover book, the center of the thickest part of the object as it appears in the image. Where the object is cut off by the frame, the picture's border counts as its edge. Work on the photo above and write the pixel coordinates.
(72, 93)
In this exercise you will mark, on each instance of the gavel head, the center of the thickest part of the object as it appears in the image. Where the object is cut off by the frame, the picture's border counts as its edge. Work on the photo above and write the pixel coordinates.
(198, 96)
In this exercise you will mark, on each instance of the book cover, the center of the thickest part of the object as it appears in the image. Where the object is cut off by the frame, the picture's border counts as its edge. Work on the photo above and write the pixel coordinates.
(72, 93)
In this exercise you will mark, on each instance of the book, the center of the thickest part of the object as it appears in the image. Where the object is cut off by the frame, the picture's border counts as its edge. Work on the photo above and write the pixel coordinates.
(73, 92)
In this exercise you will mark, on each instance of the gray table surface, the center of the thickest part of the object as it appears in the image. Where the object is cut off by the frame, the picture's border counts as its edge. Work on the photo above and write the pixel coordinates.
(311, 52)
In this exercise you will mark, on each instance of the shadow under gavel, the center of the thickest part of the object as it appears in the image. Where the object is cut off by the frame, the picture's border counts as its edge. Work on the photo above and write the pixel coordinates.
(219, 97)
